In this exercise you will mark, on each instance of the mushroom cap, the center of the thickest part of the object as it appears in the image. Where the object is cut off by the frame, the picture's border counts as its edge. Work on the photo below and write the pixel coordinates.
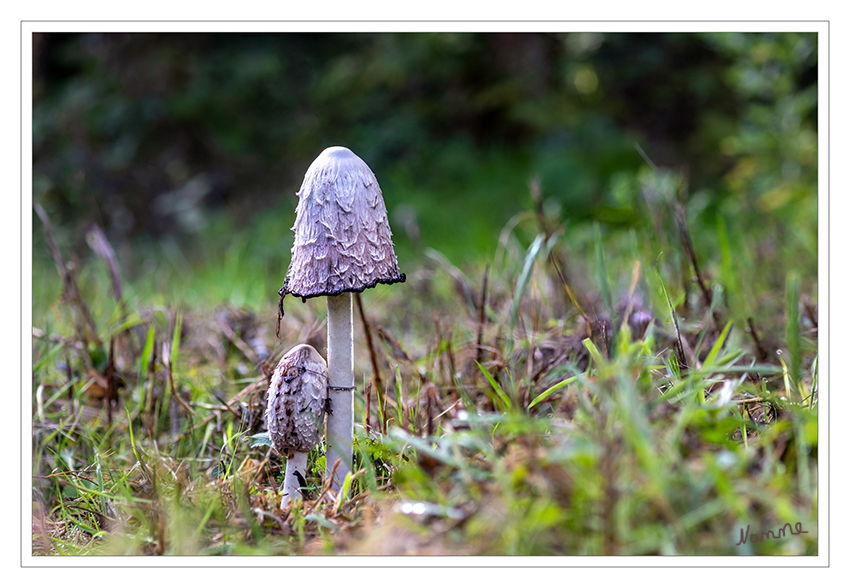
(295, 405)
(343, 241)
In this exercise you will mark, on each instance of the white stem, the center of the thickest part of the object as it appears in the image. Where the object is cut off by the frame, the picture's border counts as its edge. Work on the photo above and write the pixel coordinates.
(340, 375)
(295, 462)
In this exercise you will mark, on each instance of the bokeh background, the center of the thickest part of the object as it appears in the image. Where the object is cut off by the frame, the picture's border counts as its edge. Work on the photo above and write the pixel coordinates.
(189, 148)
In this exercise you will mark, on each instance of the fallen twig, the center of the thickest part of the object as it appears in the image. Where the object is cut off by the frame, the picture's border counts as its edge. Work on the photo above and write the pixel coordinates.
(482, 318)
(110, 381)
(761, 354)
(166, 360)
(39, 334)
(569, 292)
(682, 224)
(326, 487)
(379, 385)
(98, 243)
(368, 393)
(70, 291)
(224, 404)
(259, 383)
(238, 342)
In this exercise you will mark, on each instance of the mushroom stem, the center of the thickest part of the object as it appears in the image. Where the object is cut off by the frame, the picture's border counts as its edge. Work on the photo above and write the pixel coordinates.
(340, 437)
(296, 472)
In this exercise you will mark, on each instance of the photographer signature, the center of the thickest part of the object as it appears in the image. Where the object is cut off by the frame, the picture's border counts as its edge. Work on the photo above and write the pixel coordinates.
(769, 534)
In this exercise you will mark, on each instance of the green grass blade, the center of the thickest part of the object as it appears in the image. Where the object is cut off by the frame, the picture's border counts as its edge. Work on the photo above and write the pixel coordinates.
(136, 450)
(718, 345)
(727, 271)
(47, 357)
(424, 447)
(175, 342)
(814, 381)
(792, 328)
(522, 282)
(506, 401)
(399, 397)
(678, 348)
(100, 485)
(601, 271)
(207, 514)
(146, 352)
(119, 324)
(595, 354)
(551, 390)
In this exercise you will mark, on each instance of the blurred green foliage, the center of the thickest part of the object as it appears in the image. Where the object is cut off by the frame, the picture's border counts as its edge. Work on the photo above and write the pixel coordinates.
(151, 134)
(188, 150)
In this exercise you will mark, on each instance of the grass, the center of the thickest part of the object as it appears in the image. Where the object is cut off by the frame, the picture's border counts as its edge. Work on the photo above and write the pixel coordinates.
(585, 390)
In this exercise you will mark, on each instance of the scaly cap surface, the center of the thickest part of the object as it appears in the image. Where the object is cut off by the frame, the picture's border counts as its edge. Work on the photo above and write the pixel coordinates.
(295, 404)
(343, 241)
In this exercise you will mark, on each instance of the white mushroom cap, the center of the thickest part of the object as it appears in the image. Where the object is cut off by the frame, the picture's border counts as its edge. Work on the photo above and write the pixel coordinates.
(295, 405)
(343, 241)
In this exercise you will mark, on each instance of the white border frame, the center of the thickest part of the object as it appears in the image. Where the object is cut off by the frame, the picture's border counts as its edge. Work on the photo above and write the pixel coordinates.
(819, 27)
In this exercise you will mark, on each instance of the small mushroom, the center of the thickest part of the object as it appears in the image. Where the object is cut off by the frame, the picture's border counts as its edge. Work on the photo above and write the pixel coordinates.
(294, 413)
(343, 244)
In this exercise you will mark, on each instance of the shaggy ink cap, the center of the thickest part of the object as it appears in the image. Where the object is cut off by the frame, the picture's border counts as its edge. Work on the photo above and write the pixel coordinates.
(295, 403)
(343, 245)
(295, 411)
(343, 241)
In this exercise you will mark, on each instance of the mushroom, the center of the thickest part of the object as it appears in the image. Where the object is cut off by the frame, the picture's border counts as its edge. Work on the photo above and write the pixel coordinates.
(294, 412)
(343, 244)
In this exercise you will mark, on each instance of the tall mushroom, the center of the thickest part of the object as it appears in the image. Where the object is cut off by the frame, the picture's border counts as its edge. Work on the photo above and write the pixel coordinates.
(343, 244)
(294, 413)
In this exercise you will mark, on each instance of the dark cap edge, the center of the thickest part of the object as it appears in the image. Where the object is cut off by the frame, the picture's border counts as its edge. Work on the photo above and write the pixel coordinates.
(285, 289)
